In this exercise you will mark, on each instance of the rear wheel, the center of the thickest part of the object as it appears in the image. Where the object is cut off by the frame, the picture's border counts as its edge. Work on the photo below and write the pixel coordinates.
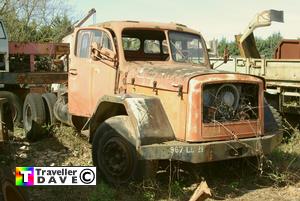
(49, 101)
(15, 106)
(34, 116)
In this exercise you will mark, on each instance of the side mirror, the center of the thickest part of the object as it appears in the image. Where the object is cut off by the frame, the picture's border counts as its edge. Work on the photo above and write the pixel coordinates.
(225, 55)
(101, 53)
(212, 47)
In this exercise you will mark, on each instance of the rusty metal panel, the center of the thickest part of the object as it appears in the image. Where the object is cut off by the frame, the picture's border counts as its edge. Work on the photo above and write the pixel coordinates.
(149, 119)
(39, 48)
(211, 151)
(33, 78)
(288, 49)
(168, 77)
(248, 47)
(174, 106)
(197, 130)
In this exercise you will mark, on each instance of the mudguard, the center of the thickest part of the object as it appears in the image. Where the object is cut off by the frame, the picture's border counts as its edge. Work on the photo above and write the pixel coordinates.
(146, 114)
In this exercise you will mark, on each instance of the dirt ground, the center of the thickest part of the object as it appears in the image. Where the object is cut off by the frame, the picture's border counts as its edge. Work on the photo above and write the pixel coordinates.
(279, 179)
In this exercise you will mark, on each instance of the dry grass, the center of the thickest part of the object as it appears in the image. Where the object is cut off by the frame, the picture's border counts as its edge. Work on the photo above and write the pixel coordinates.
(229, 180)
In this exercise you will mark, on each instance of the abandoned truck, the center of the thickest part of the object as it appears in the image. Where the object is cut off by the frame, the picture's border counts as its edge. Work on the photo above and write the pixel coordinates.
(144, 92)
(281, 73)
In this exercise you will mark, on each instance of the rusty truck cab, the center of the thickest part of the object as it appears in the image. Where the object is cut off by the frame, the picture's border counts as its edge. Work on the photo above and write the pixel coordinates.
(148, 93)
(168, 61)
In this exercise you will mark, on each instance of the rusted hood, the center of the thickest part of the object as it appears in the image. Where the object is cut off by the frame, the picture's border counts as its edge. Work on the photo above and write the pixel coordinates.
(168, 78)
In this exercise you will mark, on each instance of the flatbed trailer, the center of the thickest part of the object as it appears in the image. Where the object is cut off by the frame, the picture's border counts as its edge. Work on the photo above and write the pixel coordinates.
(41, 78)
(30, 67)
(282, 78)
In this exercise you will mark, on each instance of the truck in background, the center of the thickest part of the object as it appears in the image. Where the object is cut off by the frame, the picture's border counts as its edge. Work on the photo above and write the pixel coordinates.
(29, 67)
(282, 74)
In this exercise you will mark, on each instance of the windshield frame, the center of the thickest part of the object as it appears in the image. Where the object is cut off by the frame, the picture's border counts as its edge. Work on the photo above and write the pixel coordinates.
(201, 40)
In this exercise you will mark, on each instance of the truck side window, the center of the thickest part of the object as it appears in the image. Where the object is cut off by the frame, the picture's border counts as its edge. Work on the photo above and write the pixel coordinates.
(96, 36)
(131, 44)
(83, 44)
(152, 46)
(85, 39)
(106, 43)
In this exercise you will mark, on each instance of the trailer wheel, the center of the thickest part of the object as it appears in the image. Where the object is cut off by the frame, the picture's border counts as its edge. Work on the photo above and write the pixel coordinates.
(34, 116)
(115, 157)
(49, 101)
(8, 190)
(15, 104)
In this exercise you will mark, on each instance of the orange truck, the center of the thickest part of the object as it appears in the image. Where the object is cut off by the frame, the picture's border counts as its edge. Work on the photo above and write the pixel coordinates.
(146, 92)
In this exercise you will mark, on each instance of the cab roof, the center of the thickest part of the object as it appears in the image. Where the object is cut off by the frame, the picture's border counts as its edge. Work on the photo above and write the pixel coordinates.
(120, 25)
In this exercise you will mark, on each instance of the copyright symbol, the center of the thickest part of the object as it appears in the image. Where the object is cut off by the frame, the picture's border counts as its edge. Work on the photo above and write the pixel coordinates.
(87, 176)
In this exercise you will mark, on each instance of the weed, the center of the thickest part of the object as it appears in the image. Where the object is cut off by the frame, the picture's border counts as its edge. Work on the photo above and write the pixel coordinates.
(177, 188)
(149, 196)
(234, 184)
(103, 192)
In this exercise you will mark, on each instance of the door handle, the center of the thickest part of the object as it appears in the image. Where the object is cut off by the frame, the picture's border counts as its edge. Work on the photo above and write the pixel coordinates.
(73, 71)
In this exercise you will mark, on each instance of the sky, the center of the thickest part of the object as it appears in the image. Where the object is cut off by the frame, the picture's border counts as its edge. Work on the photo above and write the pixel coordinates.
(215, 19)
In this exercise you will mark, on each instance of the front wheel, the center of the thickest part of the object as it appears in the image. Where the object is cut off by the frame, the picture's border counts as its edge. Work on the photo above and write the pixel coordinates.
(115, 157)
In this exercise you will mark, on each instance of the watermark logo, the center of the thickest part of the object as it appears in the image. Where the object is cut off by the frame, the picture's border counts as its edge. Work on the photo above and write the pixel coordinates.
(24, 176)
(43, 176)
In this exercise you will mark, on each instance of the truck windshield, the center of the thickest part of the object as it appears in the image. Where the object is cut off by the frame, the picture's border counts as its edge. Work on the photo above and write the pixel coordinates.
(186, 47)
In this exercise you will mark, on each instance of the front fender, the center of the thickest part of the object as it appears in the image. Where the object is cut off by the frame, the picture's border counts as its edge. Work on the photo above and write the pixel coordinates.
(146, 114)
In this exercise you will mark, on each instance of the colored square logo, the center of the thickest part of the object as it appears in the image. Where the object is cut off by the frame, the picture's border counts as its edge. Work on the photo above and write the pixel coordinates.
(24, 176)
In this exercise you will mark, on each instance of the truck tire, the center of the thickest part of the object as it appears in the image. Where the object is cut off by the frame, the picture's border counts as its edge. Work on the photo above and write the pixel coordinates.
(273, 119)
(8, 190)
(116, 158)
(34, 116)
(49, 101)
(16, 106)
(277, 116)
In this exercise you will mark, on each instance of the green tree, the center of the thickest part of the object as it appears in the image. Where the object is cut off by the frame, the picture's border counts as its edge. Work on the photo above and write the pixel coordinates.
(231, 46)
(266, 47)
(35, 20)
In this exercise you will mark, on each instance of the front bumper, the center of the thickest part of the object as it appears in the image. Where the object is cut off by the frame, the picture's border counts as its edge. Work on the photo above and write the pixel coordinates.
(211, 151)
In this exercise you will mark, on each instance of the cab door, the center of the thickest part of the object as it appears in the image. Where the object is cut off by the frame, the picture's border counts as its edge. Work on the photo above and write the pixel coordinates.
(89, 80)
(103, 70)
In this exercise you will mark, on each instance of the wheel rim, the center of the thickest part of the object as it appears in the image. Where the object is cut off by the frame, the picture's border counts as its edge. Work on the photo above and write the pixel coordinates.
(28, 119)
(116, 159)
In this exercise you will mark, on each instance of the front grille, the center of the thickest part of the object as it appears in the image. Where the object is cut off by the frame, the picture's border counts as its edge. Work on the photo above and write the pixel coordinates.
(230, 102)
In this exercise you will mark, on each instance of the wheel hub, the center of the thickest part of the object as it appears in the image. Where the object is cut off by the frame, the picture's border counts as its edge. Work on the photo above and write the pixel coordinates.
(116, 156)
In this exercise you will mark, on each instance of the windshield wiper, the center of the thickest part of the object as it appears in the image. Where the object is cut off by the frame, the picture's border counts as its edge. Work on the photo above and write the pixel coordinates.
(181, 53)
